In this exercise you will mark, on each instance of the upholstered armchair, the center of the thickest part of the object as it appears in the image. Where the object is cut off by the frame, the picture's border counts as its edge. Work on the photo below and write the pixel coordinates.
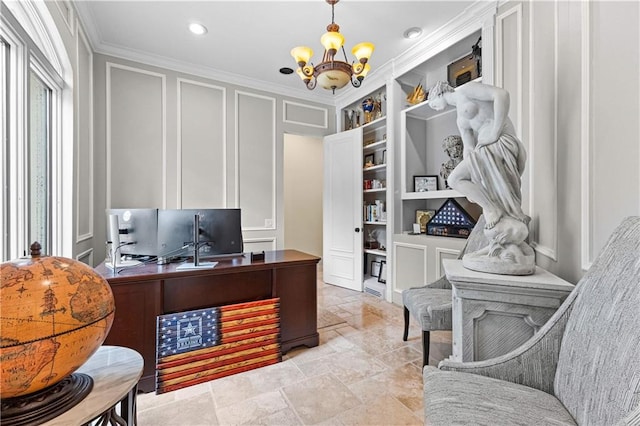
(582, 367)
(431, 304)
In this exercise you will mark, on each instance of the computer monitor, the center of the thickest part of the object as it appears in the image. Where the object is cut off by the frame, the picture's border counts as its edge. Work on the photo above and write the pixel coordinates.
(137, 229)
(219, 234)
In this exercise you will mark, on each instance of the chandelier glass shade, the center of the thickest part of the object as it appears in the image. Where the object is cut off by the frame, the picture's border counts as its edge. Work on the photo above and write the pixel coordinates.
(332, 73)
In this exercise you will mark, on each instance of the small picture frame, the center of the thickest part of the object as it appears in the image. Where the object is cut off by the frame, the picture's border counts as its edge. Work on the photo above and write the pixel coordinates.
(384, 157)
(375, 268)
(369, 160)
(382, 276)
(422, 217)
(423, 183)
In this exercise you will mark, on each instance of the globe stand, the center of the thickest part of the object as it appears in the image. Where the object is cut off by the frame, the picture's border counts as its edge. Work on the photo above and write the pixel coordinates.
(46, 404)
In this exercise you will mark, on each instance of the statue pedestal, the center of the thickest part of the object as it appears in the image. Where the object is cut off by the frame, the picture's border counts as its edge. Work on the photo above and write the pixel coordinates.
(494, 314)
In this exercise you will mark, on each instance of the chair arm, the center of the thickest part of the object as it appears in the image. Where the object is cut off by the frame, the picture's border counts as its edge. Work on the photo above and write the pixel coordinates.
(533, 364)
(441, 283)
(632, 419)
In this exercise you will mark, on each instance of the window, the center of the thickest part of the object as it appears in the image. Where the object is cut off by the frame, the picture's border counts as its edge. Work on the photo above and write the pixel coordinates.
(4, 112)
(30, 101)
(39, 174)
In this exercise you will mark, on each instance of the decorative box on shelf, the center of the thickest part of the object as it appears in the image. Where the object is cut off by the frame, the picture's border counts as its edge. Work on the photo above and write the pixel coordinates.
(451, 220)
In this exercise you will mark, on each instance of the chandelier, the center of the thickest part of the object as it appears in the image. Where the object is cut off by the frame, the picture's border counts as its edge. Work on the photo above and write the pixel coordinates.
(332, 73)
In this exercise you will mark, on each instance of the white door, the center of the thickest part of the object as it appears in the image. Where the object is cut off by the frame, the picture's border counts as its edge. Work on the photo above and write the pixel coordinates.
(342, 210)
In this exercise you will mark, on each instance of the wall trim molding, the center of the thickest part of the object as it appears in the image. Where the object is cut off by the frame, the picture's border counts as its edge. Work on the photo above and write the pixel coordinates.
(179, 82)
(439, 252)
(86, 254)
(499, 71)
(285, 120)
(163, 78)
(585, 136)
(272, 240)
(422, 248)
(550, 252)
(274, 194)
(88, 235)
(67, 15)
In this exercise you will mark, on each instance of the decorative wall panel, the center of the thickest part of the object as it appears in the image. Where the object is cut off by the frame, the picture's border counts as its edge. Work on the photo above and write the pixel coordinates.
(135, 130)
(306, 115)
(256, 145)
(201, 145)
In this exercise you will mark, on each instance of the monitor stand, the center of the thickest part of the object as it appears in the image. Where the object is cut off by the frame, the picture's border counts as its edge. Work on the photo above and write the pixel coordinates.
(192, 265)
(196, 264)
(123, 263)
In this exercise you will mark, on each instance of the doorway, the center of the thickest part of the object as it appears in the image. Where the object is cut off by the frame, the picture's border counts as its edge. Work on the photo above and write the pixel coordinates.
(303, 177)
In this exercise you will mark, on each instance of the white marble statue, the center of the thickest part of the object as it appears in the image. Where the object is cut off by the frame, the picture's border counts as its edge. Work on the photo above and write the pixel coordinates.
(489, 174)
(452, 145)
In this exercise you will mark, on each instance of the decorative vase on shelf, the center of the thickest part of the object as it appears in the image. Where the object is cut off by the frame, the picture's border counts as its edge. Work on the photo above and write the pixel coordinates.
(368, 106)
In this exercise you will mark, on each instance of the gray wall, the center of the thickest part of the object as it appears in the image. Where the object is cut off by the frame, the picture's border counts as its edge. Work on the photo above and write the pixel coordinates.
(572, 70)
(165, 139)
(303, 180)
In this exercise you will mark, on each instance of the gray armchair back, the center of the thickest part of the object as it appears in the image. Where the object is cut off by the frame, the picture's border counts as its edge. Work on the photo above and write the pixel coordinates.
(598, 373)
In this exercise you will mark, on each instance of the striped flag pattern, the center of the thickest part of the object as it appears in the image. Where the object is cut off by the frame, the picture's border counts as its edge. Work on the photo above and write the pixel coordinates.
(201, 345)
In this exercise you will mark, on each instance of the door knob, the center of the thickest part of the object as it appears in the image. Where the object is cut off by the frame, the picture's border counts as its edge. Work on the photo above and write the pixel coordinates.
(357, 229)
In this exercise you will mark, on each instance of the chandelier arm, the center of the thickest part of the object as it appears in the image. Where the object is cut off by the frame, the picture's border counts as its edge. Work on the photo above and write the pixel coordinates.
(356, 82)
(311, 84)
(345, 55)
(308, 70)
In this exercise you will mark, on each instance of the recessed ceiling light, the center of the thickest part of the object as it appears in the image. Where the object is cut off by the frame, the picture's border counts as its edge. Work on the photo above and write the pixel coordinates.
(412, 32)
(286, 70)
(197, 29)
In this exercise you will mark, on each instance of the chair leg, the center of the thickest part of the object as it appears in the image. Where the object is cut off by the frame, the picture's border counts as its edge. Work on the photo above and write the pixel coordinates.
(406, 324)
(425, 348)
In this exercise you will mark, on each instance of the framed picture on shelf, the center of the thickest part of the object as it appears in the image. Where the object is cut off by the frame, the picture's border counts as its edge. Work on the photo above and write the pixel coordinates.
(384, 157)
(422, 217)
(424, 183)
(375, 268)
(382, 276)
(369, 160)
(463, 70)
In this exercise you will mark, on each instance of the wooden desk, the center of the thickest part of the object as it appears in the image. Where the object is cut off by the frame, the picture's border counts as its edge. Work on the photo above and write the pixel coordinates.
(115, 372)
(143, 292)
(494, 314)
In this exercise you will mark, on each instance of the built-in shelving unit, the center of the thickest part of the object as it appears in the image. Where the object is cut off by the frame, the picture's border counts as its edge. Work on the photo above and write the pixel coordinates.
(409, 138)
(375, 202)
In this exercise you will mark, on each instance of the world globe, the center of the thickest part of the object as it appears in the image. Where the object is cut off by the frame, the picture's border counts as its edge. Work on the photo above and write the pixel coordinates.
(56, 312)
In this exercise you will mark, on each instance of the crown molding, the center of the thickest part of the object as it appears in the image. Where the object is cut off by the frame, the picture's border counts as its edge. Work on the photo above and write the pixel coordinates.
(462, 25)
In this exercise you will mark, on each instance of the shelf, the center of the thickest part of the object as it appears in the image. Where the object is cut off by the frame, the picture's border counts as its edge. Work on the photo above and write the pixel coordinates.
(374, 168)
(430, 195)
(374, 146)
(376, 252)
(375, 124)
(375, 223)
(368, 191)
(424, 112)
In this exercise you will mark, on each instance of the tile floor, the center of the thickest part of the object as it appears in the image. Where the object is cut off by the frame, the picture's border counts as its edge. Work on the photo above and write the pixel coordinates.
(362, 373)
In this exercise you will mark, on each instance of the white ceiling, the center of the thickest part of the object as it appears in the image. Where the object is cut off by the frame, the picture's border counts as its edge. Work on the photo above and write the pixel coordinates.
(249, 41)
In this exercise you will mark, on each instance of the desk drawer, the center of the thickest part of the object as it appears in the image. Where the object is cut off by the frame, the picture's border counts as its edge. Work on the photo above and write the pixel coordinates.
(184, 294)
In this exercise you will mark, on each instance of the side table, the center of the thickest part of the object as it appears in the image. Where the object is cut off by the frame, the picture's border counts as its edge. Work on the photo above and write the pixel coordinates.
(115, 371)
(494, 314)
